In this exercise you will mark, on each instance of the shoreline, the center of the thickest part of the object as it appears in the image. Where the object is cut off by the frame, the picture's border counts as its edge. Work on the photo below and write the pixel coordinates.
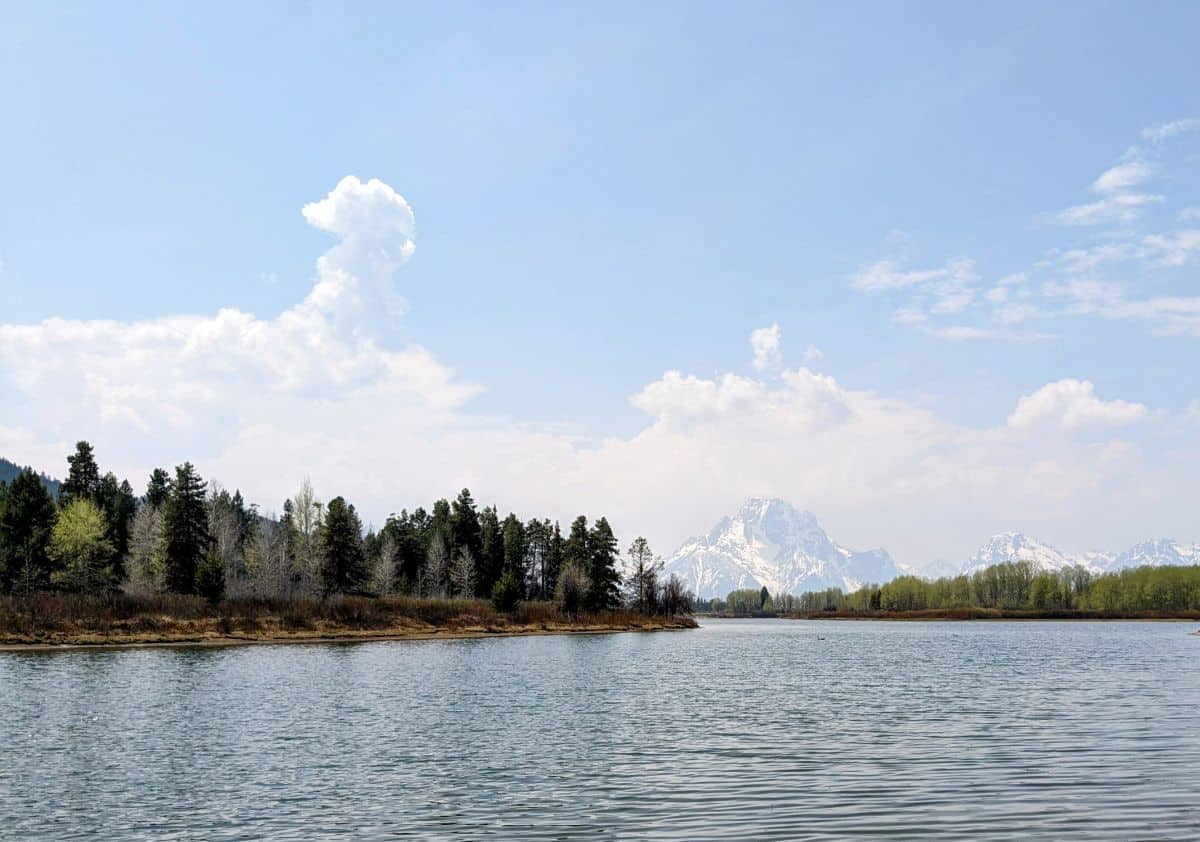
(82, 643)
(952, 617)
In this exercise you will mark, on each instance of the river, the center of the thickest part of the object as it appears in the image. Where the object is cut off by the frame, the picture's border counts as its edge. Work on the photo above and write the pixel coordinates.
(763, 729)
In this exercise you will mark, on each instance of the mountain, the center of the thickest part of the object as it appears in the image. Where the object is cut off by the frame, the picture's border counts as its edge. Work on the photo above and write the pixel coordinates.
(1014, 546)
(10, 470)
(771, 543)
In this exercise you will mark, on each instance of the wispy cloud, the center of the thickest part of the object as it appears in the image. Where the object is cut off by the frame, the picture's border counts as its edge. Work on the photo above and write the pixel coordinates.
(1089, 278)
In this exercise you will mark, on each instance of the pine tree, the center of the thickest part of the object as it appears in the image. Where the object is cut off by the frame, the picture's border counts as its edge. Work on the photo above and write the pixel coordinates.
(605, 579)
(185, 529)
(513, 537)
(158, 489)
(490, 561)
(575, 548)
(343, 567)
(118, 505)
(83, 476)
(27, 519)
(464, 525)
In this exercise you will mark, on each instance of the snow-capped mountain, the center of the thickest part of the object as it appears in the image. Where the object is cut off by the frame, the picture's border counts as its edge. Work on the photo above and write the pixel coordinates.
(1159, 553)
(1014, 546)
(771, 543)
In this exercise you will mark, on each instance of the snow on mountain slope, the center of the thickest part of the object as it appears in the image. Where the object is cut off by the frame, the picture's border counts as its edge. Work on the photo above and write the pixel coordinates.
(771, 543)
(1014, 546)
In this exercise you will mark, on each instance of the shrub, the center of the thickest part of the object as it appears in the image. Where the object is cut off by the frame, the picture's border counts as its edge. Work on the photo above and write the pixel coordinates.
(507, 593)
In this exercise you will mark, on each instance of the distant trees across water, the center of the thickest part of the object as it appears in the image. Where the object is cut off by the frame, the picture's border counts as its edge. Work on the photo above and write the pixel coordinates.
(1018, 586)
(186, 536)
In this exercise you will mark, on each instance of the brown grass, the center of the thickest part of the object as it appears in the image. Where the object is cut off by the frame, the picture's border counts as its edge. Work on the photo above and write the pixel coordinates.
(54, 618)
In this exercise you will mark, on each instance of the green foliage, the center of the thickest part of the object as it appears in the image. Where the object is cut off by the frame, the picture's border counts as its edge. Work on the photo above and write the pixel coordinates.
(210, 577)
(83, 476)
(744, 602)
(158, 489)
(602, 546)
(27, 518)
(343, 567)
(1020, 586)
(9, 471)
(185, 530)
(507, 593)
(82, 550)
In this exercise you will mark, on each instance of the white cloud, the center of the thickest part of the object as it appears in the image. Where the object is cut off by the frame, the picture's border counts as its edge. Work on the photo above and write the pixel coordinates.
(1122, 177)
(888, 274)
(1189, 214)
(1071, 404)
(813, 354)
(1122, 207)
(1173, 249)
(1161, 131)
(260, 402)
(766, 344)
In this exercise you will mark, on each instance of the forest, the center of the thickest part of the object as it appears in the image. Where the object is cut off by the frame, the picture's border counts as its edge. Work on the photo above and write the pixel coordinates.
(1014, 589)
(99, 539)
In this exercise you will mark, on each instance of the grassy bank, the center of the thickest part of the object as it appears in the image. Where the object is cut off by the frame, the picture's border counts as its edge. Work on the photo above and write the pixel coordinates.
(52, 619)
(993, 614)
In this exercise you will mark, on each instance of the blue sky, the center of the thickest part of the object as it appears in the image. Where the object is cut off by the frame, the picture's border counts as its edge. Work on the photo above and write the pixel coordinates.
(603, 195)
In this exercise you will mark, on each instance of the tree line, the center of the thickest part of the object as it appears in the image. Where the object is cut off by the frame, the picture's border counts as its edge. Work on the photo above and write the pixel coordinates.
(1016, 585)
(186, 536)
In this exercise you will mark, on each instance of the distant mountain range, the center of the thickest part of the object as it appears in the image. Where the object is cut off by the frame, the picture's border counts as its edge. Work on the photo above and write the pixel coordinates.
(10, 470)
(770, 542)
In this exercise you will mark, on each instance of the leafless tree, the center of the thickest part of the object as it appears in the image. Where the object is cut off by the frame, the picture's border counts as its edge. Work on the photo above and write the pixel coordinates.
(437, 563)
(384, 577)
(144, 565)
(462, 573)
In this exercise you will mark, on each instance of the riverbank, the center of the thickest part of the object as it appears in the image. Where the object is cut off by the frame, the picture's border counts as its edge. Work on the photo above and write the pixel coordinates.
(973, 614)
(53, 621)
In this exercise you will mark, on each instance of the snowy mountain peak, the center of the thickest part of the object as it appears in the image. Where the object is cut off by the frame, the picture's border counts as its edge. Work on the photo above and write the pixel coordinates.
(1015, 546)
(769, 542)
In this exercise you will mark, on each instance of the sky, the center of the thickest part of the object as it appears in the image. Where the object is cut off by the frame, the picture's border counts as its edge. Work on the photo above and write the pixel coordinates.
(926, 270)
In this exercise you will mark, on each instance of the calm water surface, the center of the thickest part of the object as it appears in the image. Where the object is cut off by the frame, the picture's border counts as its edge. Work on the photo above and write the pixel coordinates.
(754, 729)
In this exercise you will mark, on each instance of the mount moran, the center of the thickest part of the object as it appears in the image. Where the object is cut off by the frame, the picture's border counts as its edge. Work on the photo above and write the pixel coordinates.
(769, 542)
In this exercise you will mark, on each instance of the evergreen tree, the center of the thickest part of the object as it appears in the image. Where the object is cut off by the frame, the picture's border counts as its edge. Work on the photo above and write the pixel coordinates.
(343, 566)
(27, 519)
(605, 579)
(158, 488)
(118, 505)
(83, 476)
(555, 554)
(185, 529)
(464, 525)
(210, 577)
(513, 539)
(575, 548)
(490, 561)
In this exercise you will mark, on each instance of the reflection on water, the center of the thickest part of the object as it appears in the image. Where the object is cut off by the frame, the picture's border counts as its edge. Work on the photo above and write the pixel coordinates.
(753, 729)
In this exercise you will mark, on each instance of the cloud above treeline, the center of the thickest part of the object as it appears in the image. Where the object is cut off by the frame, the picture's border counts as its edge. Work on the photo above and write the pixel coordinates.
(319, 390)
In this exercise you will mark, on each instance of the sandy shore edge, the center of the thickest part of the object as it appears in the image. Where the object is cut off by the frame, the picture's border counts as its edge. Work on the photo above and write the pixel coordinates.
(375, 636)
